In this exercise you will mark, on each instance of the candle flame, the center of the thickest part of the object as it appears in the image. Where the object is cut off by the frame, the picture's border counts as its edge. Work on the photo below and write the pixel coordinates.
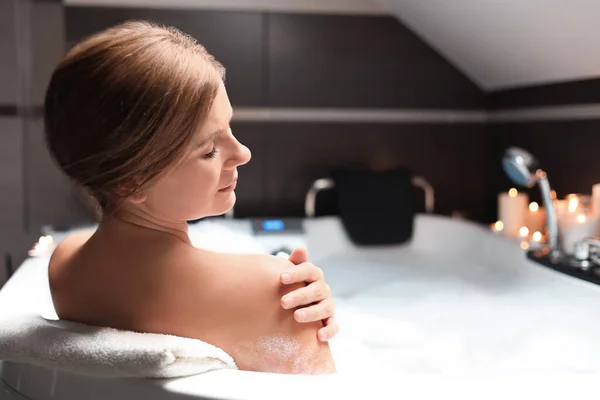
(581, 218)
(534, 207)
(524, 245)
(524, 231)
(498, 226)
(513, 192)
(573, 203)
(553, 194)
(537, 236)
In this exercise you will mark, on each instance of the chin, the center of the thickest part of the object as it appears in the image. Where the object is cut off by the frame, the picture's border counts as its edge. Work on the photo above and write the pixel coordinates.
(218, 208)
(228, 204)
(223, 206)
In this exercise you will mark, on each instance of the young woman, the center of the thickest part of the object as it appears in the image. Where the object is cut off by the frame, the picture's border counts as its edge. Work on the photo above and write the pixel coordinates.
(138, 115)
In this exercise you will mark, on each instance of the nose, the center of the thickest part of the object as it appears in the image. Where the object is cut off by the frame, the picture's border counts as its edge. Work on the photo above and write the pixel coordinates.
(244, 154)
(240, 154)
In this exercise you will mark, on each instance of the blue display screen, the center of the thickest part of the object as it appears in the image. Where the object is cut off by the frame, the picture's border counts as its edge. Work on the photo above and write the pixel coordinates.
(273, 225)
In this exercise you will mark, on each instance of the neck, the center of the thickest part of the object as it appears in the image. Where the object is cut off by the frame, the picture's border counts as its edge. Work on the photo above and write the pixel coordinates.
(142, 218)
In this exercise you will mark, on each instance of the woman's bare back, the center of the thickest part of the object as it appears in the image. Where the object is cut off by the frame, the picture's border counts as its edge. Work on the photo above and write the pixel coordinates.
(152, 282)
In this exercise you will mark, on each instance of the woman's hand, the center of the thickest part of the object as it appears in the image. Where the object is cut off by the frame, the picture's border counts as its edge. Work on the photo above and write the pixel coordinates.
(314, 299)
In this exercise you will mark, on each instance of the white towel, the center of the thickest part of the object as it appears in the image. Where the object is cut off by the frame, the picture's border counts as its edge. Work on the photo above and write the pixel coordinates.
(99, 351)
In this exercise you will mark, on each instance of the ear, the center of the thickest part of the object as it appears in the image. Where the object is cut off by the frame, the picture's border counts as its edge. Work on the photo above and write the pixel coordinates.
(124, 191)
(137, 198)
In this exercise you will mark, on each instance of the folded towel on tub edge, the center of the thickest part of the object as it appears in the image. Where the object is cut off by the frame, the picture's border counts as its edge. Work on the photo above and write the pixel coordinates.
(105, 352)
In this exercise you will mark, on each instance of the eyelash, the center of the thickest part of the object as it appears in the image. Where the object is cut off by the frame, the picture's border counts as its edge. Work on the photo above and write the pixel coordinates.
(212, 154)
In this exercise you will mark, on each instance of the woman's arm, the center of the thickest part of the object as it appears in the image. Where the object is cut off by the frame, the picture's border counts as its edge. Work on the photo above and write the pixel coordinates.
(284, 345)
(233, 302)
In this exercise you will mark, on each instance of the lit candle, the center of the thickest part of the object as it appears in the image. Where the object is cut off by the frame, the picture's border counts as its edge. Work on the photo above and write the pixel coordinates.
(512, 207)
(575, 227)
(572, 203)
(498, 226)
(537, 236)
(536, 217)
(524, 232)
(43, 247)
(534, 207)
(596, 199)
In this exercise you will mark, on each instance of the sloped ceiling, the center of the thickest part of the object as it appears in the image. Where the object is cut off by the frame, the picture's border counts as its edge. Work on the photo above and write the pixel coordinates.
(509, 43)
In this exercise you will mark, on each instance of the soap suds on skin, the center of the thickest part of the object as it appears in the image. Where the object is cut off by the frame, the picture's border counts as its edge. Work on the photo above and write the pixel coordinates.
(281, 354)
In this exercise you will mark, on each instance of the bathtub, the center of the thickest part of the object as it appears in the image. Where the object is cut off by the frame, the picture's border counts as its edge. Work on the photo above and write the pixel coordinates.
(417, 320)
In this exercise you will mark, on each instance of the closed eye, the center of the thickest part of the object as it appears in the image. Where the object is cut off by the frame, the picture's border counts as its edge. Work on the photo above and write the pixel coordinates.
(212, 153)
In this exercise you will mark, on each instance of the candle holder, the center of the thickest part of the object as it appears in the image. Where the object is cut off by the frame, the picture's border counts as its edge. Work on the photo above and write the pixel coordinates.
(596, 199)
(577, 222)
(536, 217)
(512, 207)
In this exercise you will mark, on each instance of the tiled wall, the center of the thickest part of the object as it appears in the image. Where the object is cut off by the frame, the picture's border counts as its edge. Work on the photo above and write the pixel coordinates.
(33, 192)
(11, 179)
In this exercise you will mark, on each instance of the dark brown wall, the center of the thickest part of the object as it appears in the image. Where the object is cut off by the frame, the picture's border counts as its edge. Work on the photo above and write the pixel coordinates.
(567, 150)
(359, 61)
(561, 93)
(32, 192)
(308, 60)
(234, 38)
(288, 157)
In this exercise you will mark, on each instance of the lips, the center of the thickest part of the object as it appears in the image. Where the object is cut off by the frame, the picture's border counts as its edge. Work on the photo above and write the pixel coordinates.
(230, 187)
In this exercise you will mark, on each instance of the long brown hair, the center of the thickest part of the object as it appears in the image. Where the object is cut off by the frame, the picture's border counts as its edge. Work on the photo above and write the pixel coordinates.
(124, 105)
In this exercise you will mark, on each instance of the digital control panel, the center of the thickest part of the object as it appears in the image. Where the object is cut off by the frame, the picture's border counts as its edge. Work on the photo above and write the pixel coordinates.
(277, 225)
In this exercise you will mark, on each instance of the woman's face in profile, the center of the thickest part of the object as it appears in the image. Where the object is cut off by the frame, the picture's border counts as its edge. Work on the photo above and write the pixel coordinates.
(203, 184)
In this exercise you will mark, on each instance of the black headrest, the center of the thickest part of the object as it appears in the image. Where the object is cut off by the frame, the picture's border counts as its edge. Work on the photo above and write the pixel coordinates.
(376, 208)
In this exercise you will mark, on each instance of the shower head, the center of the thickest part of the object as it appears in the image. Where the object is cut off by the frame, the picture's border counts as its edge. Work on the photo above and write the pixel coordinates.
(520, 166)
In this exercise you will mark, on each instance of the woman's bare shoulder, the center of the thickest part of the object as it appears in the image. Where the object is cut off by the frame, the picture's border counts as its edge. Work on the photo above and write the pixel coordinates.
(198, 286)
(233, 267)
(236, 305)
(60, 271)
(237, 276)
(65, 251)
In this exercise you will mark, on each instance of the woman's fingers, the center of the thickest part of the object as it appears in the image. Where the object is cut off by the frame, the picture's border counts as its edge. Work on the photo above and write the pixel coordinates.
(317, 312)
(305, 272)
(330, 329)
(307, 295)
(299, 256)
